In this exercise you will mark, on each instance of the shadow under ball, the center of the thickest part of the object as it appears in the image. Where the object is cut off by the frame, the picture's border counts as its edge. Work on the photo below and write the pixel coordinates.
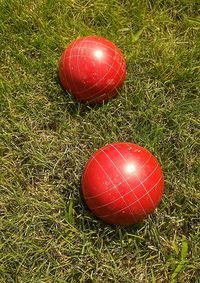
(92, 69)
(122, 183)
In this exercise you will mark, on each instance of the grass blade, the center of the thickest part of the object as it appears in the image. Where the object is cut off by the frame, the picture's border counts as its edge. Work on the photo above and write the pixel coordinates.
(137, 35)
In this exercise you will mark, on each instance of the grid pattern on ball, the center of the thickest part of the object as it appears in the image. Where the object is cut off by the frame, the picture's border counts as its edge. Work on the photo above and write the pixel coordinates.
(93, 96)
(129, 192)
(90, 99)
(128, 178)
(123, 179)
(101, 44)
(146, 191)
(89, 48)
(99, 152)
(117, 185)
(121, 197)
(137, 200)
(131, 204)
(70, 56)
(116, 73)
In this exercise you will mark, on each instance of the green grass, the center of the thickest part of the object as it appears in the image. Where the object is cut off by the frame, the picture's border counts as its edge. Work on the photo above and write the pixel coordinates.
(47, 233)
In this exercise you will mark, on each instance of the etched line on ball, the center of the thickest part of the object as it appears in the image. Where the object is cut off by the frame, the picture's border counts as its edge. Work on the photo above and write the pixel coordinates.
(90, 160)
(105, 46)
(101, 79)
(137, 186)
(111, 67)
(107, 147)
(79, 40)
(135, 175)
(108, 215)
(91, 98)
(124, 179)
(120, 183)
(116, 73)
(112, 184)
(89, 48)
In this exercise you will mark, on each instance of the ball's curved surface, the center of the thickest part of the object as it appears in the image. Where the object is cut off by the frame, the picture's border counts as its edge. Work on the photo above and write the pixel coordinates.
(92, 68)
(122, 183)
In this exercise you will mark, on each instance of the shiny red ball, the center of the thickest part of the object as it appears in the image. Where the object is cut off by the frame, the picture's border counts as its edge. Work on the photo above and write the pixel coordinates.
(92, 68)
(122, 183)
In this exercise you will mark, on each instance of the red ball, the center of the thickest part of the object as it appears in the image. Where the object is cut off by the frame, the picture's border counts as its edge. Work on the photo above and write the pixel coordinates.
(122, 183)
(92, 68)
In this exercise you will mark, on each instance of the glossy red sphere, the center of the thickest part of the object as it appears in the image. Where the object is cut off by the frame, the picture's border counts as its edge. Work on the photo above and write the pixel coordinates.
(122, 183)
(92, 68)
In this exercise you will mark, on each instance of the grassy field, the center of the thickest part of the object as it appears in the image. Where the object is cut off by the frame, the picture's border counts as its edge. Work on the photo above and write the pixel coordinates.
(47, 233)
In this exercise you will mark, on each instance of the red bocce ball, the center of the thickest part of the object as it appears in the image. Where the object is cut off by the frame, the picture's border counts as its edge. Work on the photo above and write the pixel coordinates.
(122, 183)
(92, 68)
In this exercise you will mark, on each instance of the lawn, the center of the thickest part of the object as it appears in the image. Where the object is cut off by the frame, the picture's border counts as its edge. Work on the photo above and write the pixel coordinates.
(47, 234)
